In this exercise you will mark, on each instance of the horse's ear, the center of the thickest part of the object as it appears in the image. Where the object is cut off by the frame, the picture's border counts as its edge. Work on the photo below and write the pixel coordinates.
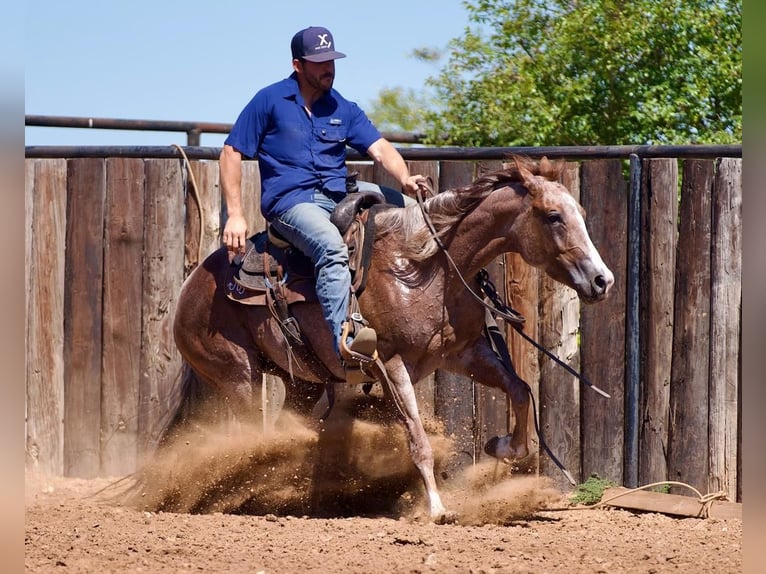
(546, 166)
(528, 180)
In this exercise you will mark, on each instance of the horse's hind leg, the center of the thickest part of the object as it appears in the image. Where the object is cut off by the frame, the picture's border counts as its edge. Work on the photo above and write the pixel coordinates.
(223, 360)
(235, 380)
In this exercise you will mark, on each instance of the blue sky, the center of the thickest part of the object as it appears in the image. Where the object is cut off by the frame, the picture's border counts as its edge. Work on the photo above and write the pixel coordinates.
(203, 61)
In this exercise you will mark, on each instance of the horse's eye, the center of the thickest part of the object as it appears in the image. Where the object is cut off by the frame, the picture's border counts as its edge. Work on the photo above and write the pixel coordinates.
(554, 217)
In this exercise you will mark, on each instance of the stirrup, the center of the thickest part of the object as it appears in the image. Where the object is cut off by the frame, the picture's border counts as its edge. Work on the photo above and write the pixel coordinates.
(363, 348)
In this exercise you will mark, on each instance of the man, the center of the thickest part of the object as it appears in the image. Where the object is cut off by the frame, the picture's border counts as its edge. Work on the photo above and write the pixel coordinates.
(298, 129)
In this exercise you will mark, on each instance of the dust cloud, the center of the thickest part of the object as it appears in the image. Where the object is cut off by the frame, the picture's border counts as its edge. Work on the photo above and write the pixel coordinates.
(356, 463)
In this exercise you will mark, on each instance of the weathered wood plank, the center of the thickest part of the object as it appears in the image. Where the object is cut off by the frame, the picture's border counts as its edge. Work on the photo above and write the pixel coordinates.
(522, 288)
(659, 224)
(560, 391)
(522, 292)
(272, 390)
(123, 251)
(382, 177)
(454, 394)
(364, 169)
(192, 225)
(46, 200)
(163, 268)
(428, 169)
(673, 504)
(605, 199)
(725, 306)
(492, 405)
(208, 187)
(251, 196)
(689, 392)
(83, 306)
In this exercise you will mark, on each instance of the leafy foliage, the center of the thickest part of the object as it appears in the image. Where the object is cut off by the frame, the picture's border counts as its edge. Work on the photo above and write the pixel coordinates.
(397, 109)
(590, 491)
(590, 72)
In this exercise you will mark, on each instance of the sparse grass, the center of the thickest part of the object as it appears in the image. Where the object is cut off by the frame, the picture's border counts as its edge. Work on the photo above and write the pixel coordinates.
(590, 491)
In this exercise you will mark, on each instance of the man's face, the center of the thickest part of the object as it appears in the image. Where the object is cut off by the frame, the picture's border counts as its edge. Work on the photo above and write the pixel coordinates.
(318, 75)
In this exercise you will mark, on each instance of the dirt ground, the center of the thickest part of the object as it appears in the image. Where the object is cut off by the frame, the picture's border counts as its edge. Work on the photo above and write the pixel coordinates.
(344, 500)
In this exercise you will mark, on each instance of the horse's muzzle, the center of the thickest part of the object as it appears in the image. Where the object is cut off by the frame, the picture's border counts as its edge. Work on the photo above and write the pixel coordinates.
(599, 286)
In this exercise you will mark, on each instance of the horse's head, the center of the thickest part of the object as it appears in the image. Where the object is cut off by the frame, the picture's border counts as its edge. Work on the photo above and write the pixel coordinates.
(551, 235)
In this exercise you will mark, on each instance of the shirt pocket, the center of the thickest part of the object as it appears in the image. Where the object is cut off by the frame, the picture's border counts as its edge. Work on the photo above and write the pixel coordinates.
(331, 135)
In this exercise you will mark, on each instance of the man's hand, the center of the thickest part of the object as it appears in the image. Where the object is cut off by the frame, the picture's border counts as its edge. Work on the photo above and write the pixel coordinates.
(235, 234)
(410, 185)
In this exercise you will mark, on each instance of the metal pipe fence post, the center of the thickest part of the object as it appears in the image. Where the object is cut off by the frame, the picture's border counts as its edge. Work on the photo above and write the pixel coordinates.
(632, 341)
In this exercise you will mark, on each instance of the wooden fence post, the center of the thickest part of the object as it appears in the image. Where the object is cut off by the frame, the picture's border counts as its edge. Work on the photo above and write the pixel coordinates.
(560, 391)
(493, 416)
(689, 392)
(605, 199)
(454, 394)
(725, 312)
(83, 318)
(120, 376)
(659, 224)
(46, 200)
(163, 266)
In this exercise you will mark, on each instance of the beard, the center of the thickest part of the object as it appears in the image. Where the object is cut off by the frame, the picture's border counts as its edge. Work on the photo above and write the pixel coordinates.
(322, 82)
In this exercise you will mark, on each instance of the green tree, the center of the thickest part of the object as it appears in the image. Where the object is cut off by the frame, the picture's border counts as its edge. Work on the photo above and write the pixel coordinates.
(399, 109)
(591, 72)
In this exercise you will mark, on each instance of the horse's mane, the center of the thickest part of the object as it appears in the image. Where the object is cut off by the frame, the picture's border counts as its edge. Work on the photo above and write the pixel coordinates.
(415, 243)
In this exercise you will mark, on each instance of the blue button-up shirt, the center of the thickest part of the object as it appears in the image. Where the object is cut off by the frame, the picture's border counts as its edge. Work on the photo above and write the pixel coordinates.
(297, 152)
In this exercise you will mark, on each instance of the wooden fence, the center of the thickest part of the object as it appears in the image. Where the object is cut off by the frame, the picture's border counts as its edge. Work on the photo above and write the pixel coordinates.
(111, 239)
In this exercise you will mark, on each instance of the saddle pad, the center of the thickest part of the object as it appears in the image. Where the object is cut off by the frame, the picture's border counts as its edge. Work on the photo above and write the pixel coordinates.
(297, 289)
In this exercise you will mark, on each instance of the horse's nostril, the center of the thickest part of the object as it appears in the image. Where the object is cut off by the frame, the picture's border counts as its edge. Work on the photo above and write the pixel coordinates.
(600, 283)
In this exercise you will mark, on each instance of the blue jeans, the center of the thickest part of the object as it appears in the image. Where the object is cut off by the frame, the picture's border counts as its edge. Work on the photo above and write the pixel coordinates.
(307, 226)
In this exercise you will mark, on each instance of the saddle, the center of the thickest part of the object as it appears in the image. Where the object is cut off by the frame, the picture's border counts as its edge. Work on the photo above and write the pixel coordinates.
(273, 274)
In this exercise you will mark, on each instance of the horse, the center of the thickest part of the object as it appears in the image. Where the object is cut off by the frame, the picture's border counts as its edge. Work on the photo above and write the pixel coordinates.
(425, 260)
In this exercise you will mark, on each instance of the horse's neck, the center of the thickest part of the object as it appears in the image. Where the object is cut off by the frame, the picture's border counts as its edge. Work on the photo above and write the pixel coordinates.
(486, 232)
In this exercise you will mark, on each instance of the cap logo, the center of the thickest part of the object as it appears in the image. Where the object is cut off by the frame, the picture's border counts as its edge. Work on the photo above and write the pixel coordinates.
(323, 42)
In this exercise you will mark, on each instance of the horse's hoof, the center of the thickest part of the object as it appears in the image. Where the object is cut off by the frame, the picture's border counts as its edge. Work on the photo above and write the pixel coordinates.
(500, 448)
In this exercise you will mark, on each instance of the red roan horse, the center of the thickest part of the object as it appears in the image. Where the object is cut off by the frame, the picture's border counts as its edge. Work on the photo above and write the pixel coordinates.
(424, 316)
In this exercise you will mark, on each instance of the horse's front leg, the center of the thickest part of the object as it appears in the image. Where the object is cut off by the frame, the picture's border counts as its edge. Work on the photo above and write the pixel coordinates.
(399, 385)
(482, 364)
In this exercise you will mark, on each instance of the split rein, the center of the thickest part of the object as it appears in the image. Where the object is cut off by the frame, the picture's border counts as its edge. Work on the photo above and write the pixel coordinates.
(500, 309)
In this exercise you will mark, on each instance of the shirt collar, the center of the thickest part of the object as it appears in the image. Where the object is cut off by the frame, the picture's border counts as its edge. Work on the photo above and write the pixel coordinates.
(290, 89)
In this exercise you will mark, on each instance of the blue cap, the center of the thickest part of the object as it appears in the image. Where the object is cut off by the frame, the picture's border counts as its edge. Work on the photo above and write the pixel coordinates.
(315, 44)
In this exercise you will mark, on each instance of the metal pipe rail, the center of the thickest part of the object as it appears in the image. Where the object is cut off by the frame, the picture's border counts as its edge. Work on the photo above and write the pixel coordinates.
(418, 153)
(193, 130)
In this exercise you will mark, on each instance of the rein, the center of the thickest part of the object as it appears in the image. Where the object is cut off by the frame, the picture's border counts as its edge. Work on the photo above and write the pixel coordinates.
(501, 309)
